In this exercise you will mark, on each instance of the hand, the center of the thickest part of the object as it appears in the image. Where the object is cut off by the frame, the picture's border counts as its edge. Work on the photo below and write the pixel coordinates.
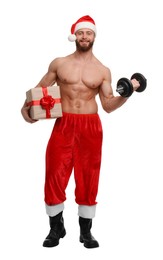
(135, 84)
(25, 113)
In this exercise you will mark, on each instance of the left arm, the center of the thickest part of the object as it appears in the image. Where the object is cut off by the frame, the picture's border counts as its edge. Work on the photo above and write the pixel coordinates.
(108, 100)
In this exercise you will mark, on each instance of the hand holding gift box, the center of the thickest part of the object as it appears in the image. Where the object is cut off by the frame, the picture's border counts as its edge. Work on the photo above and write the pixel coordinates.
(44, 102)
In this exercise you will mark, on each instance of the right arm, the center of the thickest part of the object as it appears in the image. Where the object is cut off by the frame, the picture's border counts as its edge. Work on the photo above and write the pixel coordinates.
(48, 79)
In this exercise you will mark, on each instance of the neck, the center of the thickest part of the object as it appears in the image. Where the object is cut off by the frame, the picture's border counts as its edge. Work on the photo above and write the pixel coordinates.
(84, 55)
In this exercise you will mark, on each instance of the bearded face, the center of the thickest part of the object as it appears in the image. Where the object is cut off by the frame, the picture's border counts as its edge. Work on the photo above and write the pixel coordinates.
(84, 46)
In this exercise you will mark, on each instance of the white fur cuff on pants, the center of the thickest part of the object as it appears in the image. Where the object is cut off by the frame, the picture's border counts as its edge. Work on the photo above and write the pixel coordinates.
(54, 210)
(87, 211)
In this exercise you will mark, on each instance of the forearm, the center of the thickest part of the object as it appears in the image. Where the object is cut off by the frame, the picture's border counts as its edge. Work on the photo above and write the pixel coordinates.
(113, 103)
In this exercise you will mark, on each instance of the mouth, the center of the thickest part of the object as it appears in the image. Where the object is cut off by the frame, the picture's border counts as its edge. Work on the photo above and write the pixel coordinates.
(84, 41)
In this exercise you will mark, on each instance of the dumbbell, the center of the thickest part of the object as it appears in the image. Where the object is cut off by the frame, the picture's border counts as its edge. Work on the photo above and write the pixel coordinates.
(125, 87)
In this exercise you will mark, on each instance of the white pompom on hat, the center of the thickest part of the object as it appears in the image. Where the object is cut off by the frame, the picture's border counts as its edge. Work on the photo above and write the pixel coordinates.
(84, 22)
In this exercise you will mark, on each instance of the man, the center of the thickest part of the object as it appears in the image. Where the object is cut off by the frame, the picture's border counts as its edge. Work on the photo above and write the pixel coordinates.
(76, 139)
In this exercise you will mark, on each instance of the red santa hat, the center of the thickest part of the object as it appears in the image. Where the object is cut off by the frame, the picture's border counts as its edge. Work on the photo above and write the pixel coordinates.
(84, 22)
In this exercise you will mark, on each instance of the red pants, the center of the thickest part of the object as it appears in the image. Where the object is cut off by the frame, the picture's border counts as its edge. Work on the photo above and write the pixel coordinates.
(75, 143)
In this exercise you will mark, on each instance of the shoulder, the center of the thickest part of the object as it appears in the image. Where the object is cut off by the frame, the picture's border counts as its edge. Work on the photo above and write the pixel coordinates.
(53, 66)
(104, 69)
(59, 61)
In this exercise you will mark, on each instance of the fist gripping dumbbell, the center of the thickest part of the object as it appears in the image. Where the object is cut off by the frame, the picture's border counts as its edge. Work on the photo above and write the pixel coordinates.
(125, 87)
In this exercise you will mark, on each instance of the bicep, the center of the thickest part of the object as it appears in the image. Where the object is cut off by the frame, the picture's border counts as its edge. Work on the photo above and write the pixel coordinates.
(106, 91)
(106, 95)
(50, 77)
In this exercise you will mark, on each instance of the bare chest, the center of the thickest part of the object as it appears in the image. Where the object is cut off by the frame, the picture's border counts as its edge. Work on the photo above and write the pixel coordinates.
(88, 75)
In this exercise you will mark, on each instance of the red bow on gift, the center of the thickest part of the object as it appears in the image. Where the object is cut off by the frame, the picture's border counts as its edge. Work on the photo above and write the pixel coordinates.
(47, 103)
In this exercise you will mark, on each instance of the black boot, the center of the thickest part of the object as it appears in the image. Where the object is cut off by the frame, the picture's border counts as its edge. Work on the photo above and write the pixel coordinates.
(57, 231)
(85, 234)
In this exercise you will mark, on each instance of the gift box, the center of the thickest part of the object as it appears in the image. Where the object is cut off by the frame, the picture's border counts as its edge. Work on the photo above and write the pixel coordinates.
(44, 102)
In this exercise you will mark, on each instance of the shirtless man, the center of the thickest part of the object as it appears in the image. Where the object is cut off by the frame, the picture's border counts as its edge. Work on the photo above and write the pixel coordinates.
(76, 139)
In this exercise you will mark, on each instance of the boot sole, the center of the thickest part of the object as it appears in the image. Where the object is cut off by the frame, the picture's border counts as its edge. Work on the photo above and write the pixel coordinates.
(88, 245)
(57, 243)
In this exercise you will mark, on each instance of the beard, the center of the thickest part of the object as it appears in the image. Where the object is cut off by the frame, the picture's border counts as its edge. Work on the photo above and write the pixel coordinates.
(84, 48)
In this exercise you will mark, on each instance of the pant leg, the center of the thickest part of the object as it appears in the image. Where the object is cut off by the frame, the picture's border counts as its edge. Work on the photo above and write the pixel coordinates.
(87, 161)
(59, 162)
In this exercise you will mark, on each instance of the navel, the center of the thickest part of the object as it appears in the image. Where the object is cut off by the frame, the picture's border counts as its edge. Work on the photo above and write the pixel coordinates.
(77, 104)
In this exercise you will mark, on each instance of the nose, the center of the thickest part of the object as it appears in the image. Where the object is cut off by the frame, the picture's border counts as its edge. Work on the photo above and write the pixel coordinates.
(84, 35)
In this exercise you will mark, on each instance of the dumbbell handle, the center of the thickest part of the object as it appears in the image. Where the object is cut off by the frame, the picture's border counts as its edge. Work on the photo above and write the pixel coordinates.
(120, 89)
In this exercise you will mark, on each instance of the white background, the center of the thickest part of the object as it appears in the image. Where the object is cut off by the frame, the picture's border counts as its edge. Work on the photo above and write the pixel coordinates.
(129, 217)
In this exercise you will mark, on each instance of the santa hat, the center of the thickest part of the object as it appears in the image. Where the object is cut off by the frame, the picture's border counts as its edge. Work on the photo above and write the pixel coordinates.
(84, 22)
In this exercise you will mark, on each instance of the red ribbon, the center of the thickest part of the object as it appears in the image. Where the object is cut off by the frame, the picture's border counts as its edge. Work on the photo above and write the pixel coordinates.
(47, 102)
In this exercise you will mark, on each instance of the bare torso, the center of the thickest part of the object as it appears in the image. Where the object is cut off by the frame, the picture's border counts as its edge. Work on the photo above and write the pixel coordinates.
(79, 82)
(81, 76)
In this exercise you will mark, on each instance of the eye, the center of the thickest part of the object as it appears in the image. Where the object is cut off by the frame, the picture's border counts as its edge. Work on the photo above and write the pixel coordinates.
(79, 32)
(89, 33)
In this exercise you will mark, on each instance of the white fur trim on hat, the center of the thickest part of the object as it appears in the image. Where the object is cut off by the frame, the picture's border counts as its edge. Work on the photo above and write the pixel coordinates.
(83, 25)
